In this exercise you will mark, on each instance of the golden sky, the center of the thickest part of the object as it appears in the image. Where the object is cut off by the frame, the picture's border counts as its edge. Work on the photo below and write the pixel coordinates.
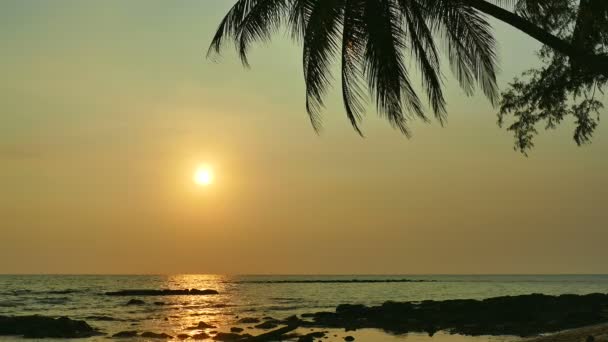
(108, 107)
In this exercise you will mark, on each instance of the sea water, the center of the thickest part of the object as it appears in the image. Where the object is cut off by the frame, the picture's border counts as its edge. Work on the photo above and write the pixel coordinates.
(83, 297)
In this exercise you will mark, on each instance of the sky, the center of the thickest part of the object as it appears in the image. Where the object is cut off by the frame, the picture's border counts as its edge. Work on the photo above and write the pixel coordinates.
(108, 107)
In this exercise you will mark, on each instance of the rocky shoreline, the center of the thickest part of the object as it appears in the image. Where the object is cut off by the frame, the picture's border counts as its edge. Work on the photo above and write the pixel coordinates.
(525, 316)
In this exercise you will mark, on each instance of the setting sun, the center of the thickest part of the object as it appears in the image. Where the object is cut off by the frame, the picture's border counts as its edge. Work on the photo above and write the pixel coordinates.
(203, 176)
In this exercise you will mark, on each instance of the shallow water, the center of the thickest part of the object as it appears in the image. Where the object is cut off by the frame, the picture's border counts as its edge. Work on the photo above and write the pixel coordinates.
(82, 297)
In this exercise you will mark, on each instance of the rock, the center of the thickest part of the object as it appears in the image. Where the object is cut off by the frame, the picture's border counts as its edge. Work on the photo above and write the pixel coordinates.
(148, 334)
(125, 334)
(311, 336)
(291, 320)
(524, 315)
(201, 325)
(136, 302)
(349, 338)
(249, 320)
(186, 292)
(266, 325)
(183, 336)
(159, 303)
(42, 326)
(201, 336)
(590, 339)
(274, 335)
(306, 338)
(236, 329)
(222, 336)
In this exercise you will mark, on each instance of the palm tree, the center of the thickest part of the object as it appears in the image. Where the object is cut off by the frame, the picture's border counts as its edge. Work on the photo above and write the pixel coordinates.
(373, 38)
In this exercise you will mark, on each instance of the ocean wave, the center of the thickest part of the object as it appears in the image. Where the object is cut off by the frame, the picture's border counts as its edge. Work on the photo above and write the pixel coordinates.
(53, 300)
(66, 291)
(331, 281)
(10, 303)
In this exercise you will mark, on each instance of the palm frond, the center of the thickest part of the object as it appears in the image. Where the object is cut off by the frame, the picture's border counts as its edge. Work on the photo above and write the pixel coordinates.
(354, 36)
(321, 43)
(387, 75)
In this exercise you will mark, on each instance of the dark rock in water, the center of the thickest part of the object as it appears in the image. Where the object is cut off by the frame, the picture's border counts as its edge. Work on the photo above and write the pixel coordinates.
(524, 315)
(201, 336)
(306, 338)
(349, 338)
(201, 325)
(291, 320)
(148, 334)
(125, 334)
(249, 320)
(236, 329)
(273, 335)
(186, 292)
(311, 336)
(136, 302)
(590, 339)
(268, 318)
(183, 336)
(159, 303)
(222, 336)
(266, 325)
(41, 327)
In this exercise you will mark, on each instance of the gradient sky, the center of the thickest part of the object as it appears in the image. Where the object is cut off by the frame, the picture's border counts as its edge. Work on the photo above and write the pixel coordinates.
(109, 106)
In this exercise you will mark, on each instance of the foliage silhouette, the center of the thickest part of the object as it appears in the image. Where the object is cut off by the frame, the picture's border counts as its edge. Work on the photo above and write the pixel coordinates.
(373, 38)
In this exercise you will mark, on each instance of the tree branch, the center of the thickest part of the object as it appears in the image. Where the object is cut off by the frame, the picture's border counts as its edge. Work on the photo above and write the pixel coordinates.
(595, 63)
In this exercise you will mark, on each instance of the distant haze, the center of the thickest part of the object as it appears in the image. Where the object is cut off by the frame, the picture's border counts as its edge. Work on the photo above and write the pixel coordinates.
(108, 107)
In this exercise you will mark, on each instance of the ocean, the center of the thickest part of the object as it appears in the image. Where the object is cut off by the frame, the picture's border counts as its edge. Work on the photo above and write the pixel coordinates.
(82, 297)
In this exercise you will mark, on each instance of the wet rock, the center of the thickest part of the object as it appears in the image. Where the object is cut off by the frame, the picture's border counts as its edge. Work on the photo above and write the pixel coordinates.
(266, 325)
(249, 320)
(273, 335)
(125, 334)
(349, 338)
(524, 315)
(136, 302)
(41, 327)
(201, 336)
(149, 334)
(202, 325)
(222, 336)
(183, 336)
(236, 329)
(186, 292)
(311, 336)
(291, 320)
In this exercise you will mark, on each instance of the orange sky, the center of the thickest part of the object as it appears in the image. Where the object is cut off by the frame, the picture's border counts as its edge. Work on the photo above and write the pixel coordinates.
(108, 108)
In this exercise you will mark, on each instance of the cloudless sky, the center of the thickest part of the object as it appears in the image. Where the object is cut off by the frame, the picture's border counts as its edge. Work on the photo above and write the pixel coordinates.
(107, 108)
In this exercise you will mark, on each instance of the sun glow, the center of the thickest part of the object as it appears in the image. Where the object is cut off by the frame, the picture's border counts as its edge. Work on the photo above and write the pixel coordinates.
(203, 176)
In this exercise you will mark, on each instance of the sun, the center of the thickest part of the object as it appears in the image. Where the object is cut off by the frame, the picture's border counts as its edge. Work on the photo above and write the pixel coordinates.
(203, 176)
